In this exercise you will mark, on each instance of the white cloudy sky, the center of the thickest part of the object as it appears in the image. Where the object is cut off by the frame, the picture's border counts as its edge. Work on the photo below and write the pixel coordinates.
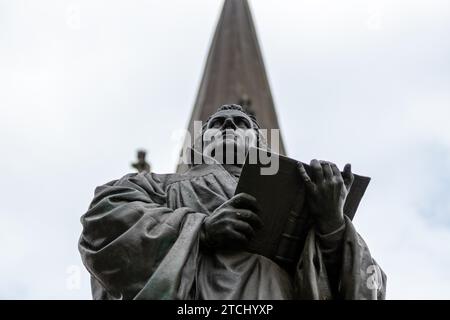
(83, 84)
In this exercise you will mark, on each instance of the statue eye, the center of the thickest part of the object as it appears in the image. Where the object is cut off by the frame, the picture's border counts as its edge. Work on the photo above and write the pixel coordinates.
(242, 123)
(216, 123)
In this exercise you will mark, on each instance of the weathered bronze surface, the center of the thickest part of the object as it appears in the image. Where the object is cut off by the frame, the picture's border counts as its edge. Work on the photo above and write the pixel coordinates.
(184, 236)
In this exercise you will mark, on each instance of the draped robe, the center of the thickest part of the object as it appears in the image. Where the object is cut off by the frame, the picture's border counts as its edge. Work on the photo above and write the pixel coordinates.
(140, 240)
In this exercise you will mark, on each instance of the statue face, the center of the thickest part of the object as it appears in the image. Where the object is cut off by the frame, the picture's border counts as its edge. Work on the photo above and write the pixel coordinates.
(229, 131)
(230, 119)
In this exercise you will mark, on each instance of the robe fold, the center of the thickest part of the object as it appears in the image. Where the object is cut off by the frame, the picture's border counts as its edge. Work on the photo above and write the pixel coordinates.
(141, 234)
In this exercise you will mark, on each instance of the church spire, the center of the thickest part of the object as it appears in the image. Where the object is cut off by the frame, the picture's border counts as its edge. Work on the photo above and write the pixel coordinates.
(234, 71)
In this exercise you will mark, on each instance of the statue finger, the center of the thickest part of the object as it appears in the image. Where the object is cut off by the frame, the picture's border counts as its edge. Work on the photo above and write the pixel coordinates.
(348, 176)
(317, 171)
(244, 228)
(305, 177)
(337, 174)
(250, 217)
(326, 168)
(245, 201)
(236, 237)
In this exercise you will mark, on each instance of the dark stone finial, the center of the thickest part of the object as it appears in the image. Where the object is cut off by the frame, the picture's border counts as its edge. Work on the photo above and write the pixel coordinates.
(141, 165)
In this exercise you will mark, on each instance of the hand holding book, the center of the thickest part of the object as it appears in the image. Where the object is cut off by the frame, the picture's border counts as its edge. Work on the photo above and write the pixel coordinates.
(232, 224)
(327, 190)
(287, 198)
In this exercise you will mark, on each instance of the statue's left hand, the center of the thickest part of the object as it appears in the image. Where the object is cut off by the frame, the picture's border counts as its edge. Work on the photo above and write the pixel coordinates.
(327, 190)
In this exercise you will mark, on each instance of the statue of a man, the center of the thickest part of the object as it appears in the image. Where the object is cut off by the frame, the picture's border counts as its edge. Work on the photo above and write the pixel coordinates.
(183, 236)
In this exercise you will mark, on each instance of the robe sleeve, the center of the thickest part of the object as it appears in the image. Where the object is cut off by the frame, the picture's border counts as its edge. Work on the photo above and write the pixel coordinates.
(357, 276)
(134, 246)
(330, 246)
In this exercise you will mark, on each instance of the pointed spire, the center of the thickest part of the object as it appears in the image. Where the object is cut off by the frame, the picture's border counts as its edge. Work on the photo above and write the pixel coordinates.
(234, 71)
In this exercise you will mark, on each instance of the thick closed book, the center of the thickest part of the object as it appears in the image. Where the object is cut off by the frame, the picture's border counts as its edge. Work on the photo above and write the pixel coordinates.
(275, 182)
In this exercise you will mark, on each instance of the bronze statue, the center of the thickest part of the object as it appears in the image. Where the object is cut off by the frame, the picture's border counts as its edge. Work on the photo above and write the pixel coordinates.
(183, 236)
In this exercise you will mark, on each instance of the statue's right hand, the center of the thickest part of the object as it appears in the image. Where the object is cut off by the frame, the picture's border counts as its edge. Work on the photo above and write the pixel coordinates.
(232, 224)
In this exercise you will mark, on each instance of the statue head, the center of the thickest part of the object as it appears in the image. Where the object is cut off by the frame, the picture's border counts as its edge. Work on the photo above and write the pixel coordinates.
(230, 130)
(141, 154)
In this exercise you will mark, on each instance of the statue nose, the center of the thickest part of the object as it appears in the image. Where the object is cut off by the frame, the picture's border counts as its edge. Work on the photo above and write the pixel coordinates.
(229, 124)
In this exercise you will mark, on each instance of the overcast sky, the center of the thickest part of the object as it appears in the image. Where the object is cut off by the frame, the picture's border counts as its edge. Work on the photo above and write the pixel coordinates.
(83, 84)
